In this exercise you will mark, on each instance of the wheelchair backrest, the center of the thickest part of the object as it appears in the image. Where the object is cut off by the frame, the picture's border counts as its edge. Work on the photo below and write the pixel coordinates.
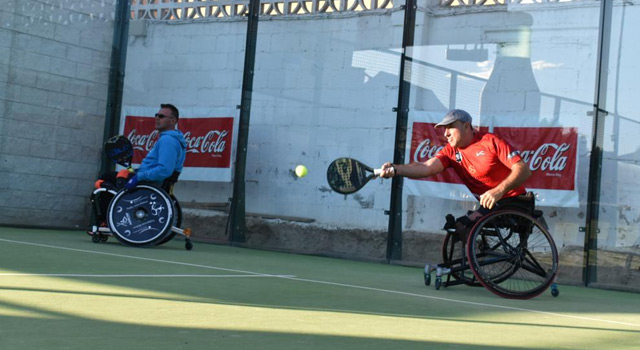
(168, 183)
(525, 203)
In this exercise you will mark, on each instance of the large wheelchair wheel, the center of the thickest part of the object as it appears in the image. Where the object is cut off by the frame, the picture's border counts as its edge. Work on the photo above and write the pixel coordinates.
(453, 257)
(142, 217)
(512, 254)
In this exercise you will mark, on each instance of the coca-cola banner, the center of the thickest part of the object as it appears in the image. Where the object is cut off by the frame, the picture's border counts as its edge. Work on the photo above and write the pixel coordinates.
(209, 144)
(550, 152)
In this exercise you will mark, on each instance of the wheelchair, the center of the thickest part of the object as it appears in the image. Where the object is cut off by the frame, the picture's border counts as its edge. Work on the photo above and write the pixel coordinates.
(509, 251)
(146, 216)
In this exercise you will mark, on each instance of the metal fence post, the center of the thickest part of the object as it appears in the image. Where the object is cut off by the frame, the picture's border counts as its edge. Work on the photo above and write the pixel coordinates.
(394, 239)
(236, 224)
(116, 76)
(595, 163)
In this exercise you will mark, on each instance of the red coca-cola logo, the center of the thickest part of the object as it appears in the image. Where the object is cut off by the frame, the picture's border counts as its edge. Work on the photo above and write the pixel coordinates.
(208, 139)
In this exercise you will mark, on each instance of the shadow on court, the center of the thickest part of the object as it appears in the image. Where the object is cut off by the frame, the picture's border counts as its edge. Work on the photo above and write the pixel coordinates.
(54, 330)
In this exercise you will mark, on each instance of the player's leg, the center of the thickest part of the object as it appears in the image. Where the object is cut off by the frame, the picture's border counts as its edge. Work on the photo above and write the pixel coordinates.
(464, 223)
(102, 198)
(524, 203)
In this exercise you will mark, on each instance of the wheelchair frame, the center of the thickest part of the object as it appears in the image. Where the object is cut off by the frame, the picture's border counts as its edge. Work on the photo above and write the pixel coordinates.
(509, 252)
(101, 234)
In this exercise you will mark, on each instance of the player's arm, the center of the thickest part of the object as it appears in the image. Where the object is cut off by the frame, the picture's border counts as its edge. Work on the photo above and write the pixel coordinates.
(519, 174)
(413, 170)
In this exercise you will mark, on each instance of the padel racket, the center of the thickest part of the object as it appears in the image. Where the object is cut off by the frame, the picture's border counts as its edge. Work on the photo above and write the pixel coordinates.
(347, 175)
(119, 149)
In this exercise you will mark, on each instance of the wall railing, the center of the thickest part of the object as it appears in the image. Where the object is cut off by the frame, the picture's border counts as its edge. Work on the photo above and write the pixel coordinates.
(191, 9)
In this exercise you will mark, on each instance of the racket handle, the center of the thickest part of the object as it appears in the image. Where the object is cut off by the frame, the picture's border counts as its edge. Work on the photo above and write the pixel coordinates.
(377, 172)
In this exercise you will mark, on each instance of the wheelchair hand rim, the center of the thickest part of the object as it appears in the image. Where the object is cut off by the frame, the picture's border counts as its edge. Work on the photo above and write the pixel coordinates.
(494, 284)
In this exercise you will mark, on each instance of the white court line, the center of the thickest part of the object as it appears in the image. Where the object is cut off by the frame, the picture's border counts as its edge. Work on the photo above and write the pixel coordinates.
(337, 284)
(137, 257)
(465, 302)
(136, 276)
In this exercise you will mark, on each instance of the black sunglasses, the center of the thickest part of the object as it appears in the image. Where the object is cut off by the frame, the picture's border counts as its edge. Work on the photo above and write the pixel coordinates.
(162, 116)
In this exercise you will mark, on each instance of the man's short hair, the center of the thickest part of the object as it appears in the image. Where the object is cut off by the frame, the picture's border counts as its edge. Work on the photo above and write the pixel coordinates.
(173, 109)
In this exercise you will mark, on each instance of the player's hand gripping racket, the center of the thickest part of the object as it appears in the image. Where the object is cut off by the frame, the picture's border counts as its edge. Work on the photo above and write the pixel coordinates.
(347, 175)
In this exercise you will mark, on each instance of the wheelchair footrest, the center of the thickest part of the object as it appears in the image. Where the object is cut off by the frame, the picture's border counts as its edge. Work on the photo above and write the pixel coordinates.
(99, 230)
(440, 271)
(182, 231)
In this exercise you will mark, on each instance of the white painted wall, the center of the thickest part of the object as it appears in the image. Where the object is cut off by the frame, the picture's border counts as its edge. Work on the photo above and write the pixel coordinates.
(310, 105)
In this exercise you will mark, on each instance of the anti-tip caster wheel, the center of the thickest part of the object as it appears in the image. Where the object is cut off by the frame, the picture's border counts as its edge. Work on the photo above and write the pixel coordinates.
(95, 238)
(188, 245)
(438, 283)
(427, 279)
(554, 290)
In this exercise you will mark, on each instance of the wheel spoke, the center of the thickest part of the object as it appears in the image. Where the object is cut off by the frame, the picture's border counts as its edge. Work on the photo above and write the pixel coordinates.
(530, 263)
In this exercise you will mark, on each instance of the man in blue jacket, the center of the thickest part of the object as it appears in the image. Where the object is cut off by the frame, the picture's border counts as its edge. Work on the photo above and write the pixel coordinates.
(167, 155)
(165, 158)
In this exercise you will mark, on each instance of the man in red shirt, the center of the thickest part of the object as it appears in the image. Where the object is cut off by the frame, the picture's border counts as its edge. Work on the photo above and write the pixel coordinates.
(486, 164)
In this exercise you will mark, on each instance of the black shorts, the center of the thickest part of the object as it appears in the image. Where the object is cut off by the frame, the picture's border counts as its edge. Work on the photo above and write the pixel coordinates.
(525, 203)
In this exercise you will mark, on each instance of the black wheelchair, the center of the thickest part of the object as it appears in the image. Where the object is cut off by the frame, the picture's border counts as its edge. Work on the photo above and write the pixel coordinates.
(146, 216)
(509, 251)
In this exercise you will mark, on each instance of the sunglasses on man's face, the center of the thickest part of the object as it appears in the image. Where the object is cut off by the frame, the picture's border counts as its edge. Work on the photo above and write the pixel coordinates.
(162, 116)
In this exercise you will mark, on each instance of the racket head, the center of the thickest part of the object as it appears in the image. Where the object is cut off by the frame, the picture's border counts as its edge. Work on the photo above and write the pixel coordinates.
(120, 150)
(347, 175)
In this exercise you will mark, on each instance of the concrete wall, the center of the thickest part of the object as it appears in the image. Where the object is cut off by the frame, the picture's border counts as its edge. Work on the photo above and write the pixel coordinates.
(54, 66)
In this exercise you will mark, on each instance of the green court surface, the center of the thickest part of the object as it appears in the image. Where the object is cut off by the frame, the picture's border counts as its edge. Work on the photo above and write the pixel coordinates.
(58, 290)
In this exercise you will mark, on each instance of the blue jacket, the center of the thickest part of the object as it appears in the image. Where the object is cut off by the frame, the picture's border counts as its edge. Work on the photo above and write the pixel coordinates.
(166, 156)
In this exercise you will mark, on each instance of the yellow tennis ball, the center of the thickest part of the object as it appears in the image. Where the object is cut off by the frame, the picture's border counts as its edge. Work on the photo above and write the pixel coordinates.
(301, 171)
